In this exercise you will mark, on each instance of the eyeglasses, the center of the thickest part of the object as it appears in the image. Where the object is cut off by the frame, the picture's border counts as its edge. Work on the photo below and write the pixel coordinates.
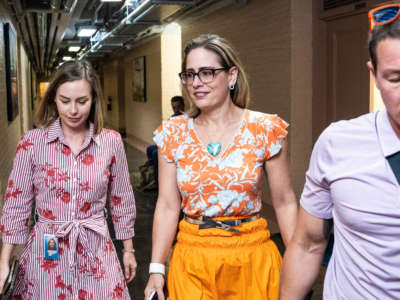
(383, 15)
(205, 75)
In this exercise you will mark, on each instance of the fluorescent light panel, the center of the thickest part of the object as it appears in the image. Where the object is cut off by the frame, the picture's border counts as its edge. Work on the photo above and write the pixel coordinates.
(74, 48)
(86, 31)
(66, 58)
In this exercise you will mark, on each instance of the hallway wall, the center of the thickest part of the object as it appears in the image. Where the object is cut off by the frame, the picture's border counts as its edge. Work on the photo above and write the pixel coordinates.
(11, 131)
(110, 71)
(25, 91)
(142, 118)
(263, 41)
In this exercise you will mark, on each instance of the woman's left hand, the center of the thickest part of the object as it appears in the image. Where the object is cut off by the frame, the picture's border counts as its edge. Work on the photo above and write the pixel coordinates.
(130, 265)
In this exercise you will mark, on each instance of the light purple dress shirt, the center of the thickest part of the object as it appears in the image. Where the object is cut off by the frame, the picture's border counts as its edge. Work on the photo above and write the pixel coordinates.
(350, 180)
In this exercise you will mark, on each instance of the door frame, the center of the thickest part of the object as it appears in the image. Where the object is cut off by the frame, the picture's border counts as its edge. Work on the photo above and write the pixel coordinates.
(320, 101)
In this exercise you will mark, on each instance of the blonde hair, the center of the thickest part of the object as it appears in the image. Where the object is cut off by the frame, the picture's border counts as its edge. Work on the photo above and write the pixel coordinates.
(228, 58)
(70, 71)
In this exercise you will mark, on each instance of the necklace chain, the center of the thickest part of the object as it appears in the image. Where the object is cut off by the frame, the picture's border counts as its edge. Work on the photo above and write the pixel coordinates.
(214, 144)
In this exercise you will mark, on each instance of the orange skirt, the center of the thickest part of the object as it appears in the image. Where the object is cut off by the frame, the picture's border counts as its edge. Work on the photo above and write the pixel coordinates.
(214, 264)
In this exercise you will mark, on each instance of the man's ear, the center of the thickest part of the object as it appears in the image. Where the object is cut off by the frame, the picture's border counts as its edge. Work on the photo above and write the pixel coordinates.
(373, 73)
(371, 68)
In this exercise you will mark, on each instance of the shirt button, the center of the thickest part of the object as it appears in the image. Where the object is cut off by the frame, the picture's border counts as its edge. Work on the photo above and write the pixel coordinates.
(73, 213)
(75, 163)
(73, 197)
(74, 180)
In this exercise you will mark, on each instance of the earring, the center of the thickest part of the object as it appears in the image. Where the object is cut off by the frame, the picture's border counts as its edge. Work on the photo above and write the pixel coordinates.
(232, 87)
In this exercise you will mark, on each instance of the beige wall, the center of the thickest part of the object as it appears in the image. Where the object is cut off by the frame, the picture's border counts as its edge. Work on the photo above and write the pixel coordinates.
(171, 57)
(141, 118)
(110, 73)
(11, 132)
(25, 91)
(263, 42)
(300, 91)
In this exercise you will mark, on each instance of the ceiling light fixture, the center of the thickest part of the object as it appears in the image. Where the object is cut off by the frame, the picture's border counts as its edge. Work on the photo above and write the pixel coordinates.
(67, 58)
(86, 31)
(74, 48)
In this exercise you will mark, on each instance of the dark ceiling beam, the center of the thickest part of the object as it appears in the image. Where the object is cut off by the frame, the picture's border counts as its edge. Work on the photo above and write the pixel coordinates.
(49, 18)
(16, 11)
(18, 15)
(62, 23)
(26, 41)
(36, 24)
(52, 34)
(31, 32)
(42, 32)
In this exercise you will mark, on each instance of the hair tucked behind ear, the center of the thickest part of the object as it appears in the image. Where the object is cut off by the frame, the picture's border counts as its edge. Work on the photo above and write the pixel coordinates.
(228, 58)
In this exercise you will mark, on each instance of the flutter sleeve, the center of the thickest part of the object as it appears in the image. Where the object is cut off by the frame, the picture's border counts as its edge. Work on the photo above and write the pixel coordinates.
(122, 200)
(19, 194)
(274, 132)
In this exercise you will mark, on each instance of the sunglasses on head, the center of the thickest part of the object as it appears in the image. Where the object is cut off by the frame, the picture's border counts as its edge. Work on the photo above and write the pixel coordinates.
(383, 15)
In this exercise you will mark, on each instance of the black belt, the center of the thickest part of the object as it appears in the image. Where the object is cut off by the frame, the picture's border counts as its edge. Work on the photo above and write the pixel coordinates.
(205, 222)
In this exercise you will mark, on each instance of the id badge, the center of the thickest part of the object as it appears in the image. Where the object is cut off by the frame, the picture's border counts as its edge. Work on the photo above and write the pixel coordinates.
(50, 246)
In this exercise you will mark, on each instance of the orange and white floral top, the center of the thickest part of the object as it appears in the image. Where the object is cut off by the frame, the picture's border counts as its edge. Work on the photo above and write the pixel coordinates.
(229, 184)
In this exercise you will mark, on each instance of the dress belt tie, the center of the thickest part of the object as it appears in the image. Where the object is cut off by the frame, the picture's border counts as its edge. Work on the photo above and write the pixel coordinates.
(76, 230)
(205, 222)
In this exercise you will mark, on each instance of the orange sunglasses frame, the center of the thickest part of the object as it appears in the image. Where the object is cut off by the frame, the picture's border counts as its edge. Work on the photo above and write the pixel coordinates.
(372, 11)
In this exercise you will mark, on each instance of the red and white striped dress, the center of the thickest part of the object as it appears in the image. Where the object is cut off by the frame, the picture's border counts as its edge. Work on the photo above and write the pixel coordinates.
(70, 193)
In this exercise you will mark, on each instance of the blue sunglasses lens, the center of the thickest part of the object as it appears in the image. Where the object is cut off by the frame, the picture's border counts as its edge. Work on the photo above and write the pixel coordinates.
(386, 14)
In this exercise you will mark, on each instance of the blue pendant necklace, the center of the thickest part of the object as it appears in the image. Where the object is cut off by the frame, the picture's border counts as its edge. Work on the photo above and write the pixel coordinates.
(214, 148)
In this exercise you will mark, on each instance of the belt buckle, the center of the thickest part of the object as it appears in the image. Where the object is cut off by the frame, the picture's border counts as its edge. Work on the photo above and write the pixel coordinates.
(226, 227)
(208, 222)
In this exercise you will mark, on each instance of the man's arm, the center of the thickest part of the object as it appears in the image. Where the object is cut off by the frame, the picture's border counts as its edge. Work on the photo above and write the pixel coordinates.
(303, 256)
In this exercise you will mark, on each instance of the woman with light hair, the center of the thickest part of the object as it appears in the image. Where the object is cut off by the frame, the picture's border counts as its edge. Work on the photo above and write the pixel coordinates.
(69, 165)
(210, 165)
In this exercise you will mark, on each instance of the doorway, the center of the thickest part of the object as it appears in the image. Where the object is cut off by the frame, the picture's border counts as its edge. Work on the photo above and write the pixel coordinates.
(342, 86)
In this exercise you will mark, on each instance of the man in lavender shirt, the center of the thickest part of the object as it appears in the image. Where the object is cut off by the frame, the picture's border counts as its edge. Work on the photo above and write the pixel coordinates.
(352, 184)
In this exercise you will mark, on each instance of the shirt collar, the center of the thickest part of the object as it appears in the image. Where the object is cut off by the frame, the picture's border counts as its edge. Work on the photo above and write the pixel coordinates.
(55, 132)
(389, 141)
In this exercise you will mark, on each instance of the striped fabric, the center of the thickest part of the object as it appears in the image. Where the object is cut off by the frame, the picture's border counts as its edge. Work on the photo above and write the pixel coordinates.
(70, 193)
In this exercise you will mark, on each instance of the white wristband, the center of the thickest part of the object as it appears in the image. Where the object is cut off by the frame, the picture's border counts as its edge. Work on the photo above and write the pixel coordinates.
(157, 268)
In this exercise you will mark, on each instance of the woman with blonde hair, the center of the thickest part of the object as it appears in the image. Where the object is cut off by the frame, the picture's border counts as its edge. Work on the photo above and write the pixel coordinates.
(210, 165)
(69, 165)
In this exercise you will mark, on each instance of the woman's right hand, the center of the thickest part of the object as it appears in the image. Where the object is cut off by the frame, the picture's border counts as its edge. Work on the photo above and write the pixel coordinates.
(4, 270)
(156, 283)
